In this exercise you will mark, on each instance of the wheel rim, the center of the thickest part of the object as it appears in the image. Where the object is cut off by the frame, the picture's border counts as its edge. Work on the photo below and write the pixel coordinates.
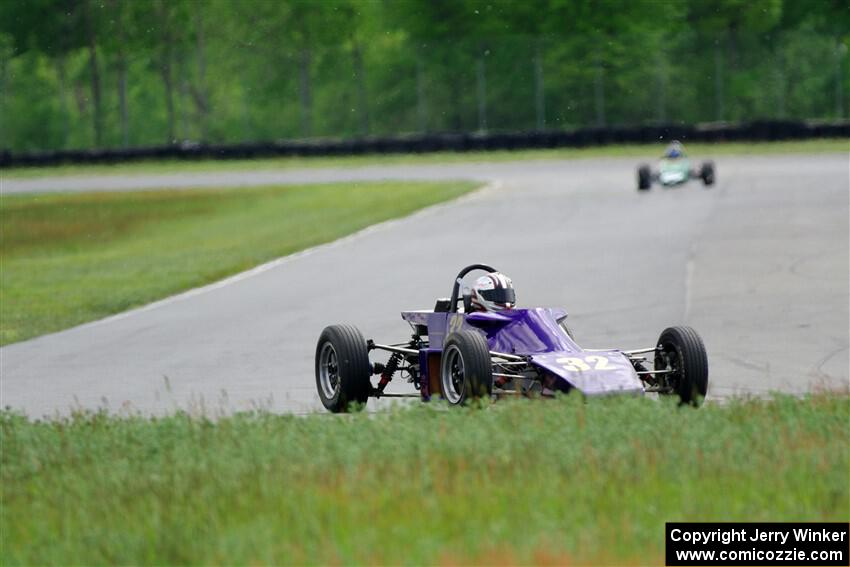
(452, 379)
(328, 371)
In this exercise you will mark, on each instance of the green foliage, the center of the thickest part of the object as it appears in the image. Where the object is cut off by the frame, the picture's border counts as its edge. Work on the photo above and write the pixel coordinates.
(67, 259)
(520, 482)
(141, 72)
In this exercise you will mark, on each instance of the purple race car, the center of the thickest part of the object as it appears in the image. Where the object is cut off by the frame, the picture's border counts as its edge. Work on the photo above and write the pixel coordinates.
(462, 355)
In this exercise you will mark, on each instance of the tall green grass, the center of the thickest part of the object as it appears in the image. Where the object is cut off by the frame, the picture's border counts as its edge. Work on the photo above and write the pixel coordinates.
(70, 258)
(519, 482)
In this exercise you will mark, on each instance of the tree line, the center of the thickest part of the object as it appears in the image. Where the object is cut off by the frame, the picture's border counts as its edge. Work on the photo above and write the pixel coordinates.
(113, 73)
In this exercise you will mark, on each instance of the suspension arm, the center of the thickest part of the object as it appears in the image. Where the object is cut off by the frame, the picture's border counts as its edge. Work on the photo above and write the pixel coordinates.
(371, 345)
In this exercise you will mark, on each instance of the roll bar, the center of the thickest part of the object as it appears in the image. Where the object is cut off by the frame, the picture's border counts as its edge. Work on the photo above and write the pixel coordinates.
(459, 278)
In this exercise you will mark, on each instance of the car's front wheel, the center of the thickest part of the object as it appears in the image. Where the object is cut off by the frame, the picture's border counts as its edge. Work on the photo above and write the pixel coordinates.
(644, 178)
(707, 173)
(681, 355)
(342, 368)
(465, 370)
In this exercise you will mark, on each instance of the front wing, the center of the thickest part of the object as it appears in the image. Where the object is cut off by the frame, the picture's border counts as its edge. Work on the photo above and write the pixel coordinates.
(592, 372)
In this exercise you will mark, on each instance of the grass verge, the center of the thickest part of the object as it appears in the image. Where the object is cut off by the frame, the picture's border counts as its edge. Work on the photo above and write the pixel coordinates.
(518, 483)
(70, 258)
(697, 150)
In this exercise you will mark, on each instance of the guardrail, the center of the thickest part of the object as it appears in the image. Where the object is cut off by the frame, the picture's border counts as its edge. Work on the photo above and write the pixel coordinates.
(448, 142)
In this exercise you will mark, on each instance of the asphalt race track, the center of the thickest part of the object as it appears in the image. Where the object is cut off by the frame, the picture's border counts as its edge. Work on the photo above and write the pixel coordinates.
(757, 264)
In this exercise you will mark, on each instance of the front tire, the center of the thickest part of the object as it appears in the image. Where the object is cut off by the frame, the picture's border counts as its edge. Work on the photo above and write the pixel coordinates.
(681, 350)
(465, 369)
(342, 368)
(644, 178)
(707, 173)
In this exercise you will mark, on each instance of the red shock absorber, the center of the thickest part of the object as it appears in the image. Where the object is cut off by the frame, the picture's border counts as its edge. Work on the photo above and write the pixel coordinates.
(389, 370)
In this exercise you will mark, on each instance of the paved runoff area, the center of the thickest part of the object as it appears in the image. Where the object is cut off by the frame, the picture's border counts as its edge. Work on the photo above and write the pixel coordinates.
(758, 264)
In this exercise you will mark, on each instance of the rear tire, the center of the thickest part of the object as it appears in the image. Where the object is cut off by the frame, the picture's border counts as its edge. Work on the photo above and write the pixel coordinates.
(681, 350)
(707, 173)
(342, 368)
(644, 178)
(465, 369)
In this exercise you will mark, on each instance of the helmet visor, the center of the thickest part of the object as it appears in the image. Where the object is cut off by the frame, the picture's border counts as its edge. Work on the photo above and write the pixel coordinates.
(499, 295)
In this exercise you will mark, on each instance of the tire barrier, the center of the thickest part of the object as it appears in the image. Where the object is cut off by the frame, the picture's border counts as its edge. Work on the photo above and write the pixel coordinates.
(758, 131)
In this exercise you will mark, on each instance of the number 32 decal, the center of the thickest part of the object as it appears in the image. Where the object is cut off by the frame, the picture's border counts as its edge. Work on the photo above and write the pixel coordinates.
(580, 365)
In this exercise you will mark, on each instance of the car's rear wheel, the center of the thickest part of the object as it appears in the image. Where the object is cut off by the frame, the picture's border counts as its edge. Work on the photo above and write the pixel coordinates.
(644, 178)
(681, 352)
(342, 368)
(707, 173)
(465, 370)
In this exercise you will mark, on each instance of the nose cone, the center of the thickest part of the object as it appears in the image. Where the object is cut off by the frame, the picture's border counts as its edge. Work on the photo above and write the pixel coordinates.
(593, 373)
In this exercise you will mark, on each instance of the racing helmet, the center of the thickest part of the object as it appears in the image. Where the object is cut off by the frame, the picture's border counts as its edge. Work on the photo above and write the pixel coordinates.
(675, 149)
(493, 292)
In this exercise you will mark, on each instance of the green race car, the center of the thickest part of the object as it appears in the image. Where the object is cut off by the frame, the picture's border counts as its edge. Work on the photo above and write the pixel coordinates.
(674, 168)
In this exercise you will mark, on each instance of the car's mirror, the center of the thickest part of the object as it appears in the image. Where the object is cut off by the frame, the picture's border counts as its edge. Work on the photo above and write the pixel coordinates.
(485, 319)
